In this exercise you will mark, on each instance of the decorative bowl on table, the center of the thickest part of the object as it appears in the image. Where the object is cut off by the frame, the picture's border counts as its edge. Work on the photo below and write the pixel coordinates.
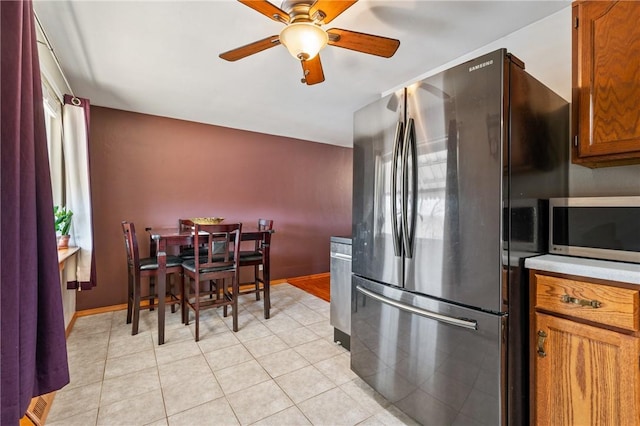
(207, 220)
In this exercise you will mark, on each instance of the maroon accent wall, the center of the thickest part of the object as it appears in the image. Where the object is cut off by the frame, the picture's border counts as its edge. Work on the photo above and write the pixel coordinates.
(153, 170)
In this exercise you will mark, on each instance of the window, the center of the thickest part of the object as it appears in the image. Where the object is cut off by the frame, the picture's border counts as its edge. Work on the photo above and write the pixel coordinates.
(53, 124)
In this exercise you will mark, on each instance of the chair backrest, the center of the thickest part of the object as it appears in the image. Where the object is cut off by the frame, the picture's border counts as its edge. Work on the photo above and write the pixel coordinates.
(131, 244)
(223, 246)
(185, 224)
(265, 224)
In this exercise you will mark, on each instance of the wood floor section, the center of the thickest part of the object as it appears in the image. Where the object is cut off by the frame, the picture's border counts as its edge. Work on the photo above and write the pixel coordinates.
(317, 284)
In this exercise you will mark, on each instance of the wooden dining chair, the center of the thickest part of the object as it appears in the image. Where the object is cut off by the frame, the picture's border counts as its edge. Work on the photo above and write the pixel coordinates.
(219, 266)
(255, 259)
(258, 259)
(137, 269)
(188, 252)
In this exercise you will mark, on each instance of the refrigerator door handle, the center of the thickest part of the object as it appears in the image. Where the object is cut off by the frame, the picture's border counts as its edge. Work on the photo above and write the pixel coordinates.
(458, 322)
(394, 188)
(409, 147)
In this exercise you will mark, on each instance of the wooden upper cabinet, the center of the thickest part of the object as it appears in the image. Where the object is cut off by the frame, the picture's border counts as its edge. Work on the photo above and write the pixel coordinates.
(606, 83)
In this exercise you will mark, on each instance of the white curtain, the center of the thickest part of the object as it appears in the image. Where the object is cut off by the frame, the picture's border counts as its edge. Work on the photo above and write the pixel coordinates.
(77, 187)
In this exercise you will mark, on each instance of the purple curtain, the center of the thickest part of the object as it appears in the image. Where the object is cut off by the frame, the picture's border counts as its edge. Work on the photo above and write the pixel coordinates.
(32, 346)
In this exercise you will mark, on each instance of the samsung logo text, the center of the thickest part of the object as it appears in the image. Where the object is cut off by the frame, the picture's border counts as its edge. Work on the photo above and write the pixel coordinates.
(482, 65)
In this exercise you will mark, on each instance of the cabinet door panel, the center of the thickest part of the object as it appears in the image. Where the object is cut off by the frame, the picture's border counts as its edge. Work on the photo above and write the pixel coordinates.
(606, 80)
(588, 375)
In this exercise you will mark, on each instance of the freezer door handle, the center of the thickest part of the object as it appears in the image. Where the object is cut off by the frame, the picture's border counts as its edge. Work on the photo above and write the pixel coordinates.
(458, 322)
(394, 189)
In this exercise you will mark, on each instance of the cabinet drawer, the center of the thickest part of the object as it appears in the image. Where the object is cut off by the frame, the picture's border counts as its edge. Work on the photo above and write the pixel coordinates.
(612, 306)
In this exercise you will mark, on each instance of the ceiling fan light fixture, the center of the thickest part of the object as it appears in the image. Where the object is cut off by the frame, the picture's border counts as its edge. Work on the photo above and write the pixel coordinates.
(304, 40)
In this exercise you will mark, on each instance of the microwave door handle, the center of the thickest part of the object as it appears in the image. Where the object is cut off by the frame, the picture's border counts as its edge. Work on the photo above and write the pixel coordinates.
(393, 199)
(409, 148)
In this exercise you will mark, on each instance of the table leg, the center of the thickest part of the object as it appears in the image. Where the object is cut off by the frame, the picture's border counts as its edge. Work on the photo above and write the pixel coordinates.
(267, 294)
(266, 277)
(161, 284)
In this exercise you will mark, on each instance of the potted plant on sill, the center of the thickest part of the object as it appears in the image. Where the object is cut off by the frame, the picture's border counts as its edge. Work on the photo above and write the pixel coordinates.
(62, 217)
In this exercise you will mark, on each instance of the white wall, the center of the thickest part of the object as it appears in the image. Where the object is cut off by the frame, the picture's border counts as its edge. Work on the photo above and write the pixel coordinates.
(545, 48)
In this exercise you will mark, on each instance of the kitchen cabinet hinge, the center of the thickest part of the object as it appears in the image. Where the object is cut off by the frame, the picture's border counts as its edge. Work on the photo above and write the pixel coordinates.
(575, 22)
(575, 140)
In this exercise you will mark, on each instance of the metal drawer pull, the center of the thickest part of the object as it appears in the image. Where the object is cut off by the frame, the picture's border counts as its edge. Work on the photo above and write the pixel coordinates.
(341, 256)
(582, 302)
(541, 338)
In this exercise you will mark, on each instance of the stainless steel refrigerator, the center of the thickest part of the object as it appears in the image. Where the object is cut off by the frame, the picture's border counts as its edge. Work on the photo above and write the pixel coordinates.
(451, 178)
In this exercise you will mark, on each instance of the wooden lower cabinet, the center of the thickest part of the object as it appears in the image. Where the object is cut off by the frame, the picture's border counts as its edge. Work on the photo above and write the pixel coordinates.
(584, 375)
(583, 370)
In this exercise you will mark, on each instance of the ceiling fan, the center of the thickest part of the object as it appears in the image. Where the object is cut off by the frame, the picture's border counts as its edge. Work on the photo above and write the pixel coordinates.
(304, 37)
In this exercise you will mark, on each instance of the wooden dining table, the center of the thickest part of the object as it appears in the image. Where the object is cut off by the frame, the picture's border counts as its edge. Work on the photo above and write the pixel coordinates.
(162, 238)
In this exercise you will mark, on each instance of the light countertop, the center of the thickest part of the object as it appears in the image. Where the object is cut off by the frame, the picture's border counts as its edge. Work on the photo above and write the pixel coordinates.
(590, 268)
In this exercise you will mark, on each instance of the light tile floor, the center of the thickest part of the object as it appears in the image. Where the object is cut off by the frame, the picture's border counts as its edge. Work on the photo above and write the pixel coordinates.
(281, 371)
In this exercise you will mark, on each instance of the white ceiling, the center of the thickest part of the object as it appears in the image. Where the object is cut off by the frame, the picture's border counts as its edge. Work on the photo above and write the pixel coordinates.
(161, 58)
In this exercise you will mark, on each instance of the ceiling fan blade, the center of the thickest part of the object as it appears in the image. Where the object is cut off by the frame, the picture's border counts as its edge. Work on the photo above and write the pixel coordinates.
(329, 9)
(267, 9)
(312, 69)
(251, 48)
(365, 43)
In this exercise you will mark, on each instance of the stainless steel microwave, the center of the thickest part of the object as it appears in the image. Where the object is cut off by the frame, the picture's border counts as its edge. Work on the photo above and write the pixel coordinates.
(597, 227)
